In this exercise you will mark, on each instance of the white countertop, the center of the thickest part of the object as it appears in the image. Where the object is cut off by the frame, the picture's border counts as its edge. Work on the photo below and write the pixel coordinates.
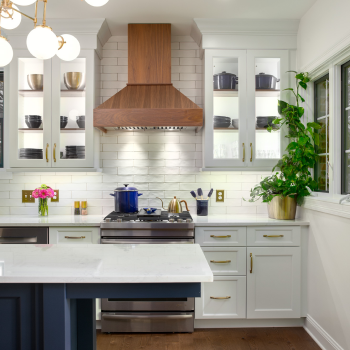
(94, 220)
(121, 263)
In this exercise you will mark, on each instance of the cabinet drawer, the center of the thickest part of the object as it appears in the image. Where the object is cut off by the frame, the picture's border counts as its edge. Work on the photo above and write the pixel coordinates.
(273, 236)
(226, 261)
(74, 235)
(223, 298)
(221, 236)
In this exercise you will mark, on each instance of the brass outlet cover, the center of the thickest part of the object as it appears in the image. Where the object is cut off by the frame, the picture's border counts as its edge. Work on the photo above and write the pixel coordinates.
(220, 195)
(57, 196)
(27, 197)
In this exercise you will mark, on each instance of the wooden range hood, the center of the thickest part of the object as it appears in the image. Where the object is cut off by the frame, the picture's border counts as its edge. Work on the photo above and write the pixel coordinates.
(149, 99)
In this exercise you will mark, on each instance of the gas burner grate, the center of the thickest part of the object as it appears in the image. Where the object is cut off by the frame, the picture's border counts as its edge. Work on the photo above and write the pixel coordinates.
(141, 217)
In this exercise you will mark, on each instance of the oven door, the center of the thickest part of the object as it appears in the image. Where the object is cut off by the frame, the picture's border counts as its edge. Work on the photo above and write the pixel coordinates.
(148, 304)
(147, 322)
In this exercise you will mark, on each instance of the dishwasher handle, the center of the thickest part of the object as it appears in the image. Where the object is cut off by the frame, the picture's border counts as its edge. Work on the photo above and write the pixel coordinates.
(153, 317)
(18, 240)
(146, 241)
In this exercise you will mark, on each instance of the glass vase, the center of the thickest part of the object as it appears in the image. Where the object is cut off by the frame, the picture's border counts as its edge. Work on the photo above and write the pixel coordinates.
(43, 207)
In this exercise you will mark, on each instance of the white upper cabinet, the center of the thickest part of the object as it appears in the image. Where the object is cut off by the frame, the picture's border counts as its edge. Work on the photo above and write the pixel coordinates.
(242, 88)
(52, 138)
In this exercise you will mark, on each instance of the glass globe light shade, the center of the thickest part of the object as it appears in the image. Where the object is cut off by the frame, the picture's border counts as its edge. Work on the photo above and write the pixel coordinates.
(11, 23)
(70, 50)
(23, 2)
(97, 3)
(42, 43)
(6, 52)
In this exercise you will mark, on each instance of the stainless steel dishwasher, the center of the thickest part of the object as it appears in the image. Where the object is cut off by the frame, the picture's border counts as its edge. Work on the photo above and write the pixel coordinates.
(24, 235)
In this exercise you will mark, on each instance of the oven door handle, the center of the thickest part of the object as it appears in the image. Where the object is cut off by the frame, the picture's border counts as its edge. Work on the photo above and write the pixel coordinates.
(153, 317)
(146, 241)
(18, 240)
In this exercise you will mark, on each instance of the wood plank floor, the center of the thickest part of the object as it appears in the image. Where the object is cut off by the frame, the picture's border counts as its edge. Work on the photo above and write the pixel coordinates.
(212, 339)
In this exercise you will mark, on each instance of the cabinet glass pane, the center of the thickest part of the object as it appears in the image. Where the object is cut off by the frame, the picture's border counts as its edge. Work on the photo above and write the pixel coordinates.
(267, 94)
(30, 108)
(226, 108)
(72, 110)
(1, 119)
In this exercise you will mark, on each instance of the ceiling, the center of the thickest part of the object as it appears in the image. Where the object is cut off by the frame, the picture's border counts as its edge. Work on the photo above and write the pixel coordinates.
(179, 13)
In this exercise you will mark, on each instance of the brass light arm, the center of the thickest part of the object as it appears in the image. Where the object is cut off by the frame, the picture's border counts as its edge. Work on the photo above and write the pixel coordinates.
(61, 42)
(23, 14)
(44, 17)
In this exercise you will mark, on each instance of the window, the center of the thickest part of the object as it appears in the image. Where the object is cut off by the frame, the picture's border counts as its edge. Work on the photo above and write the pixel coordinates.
(345, 142)
(1, 119)
(321, 89)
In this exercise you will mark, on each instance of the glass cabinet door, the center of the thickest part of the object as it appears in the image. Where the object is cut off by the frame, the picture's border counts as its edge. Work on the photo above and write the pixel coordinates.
(225, 91)
(72, 111)
(267, 77)
(30, 111)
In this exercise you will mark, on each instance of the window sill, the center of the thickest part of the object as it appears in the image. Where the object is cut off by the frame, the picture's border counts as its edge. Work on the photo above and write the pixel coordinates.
(328, 205)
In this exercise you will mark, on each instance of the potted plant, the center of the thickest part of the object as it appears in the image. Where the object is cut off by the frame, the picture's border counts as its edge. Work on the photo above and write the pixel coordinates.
(288, 187)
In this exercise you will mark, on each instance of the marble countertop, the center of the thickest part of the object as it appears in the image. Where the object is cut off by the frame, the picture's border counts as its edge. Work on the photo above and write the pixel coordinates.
(94, 220)
(121, 263)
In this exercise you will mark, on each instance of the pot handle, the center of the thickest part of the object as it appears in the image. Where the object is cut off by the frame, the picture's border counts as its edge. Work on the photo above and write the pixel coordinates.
(139, 194)
(185, 204)
(278, 80)
(112, 194)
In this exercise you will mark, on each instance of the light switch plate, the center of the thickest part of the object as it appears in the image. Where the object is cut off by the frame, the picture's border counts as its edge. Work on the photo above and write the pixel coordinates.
(57, 196)
(27, 197)
(220, 195)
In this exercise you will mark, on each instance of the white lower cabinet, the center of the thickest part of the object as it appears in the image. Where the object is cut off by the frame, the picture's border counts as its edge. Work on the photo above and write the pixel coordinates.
(273, 282)
(74, 235)
(223, 298)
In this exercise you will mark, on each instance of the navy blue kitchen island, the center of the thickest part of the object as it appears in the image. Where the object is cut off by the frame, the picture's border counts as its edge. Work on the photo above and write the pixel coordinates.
(47, 293)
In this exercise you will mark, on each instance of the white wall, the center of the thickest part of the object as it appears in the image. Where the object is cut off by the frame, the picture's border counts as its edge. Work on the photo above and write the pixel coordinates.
(329, 276)
(160, 164)
(323, 31)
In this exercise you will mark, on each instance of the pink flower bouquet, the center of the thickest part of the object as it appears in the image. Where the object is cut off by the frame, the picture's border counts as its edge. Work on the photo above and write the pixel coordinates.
(43, 193)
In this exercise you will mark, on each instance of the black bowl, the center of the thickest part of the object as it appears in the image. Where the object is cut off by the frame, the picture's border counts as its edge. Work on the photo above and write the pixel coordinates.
(81, 117)
(33, 124)
(63, 123)
(81, 124)
(32, 116)
(235, 123)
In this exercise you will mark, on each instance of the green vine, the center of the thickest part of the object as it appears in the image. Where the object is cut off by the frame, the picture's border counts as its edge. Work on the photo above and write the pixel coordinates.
(294, 178)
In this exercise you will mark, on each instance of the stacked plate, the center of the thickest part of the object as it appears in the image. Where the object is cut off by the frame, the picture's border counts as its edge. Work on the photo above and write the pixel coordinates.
(33, 121)
(75, 152)
(221, 121)
(30, 153)
(265, 122)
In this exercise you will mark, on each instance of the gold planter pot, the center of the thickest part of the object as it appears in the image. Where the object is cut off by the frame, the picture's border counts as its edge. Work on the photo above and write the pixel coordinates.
(282, 208)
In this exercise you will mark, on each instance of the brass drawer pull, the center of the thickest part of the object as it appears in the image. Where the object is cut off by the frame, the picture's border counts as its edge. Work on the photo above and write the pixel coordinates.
(46, 153)
(54, 153)
(220, 262)
(228, 236)
(251, 263)
(71, 237)
(220, 298)
(273, 235)
(251, 152)
(243, 160)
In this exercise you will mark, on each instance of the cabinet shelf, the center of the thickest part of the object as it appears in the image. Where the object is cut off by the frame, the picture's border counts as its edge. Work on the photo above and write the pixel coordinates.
(236, 130)
(234, 93)
(65, 130)
(40, 93)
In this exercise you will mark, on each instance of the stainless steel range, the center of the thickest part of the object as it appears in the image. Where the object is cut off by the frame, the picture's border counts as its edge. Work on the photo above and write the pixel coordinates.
(147, 315)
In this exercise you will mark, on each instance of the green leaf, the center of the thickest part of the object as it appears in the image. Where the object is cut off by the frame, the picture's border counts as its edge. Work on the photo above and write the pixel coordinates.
(301, 98)
(303, 140)
(317, 139)
(292, 71)
(291, 146)
(269, 129)
(300, 111)
(282, 106)
(277, 121)
(303, 85)
(289, 89)
(300, 76)
(314, 125)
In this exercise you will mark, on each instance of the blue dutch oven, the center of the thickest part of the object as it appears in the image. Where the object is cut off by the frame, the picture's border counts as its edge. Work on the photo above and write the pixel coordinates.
(126, 199)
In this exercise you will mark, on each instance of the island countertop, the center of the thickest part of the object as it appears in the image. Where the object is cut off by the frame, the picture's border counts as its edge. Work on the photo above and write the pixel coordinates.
(122, 263)
(95, 220)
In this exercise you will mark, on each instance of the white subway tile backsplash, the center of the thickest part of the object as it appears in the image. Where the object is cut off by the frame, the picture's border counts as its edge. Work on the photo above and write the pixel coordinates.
(158, 163)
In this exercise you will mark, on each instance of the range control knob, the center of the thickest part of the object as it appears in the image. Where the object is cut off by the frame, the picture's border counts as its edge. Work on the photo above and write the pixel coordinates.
(171, 220)
(179, 220)
(188, 220)
(108, 219)
(119, 220)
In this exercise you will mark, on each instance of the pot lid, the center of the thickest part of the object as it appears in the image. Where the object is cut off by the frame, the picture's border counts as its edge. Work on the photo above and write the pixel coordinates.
(126, 188)
(224, 73)
(266, 75)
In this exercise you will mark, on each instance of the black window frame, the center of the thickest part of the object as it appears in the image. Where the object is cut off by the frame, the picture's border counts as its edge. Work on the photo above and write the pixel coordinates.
(320, 80)
(344, 125)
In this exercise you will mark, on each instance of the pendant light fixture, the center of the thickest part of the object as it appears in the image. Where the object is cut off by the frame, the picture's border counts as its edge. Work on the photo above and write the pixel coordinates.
(97, 3)
(11, 18)
(42, 42)
(24, 2)
(5, 49)
(70, 48)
